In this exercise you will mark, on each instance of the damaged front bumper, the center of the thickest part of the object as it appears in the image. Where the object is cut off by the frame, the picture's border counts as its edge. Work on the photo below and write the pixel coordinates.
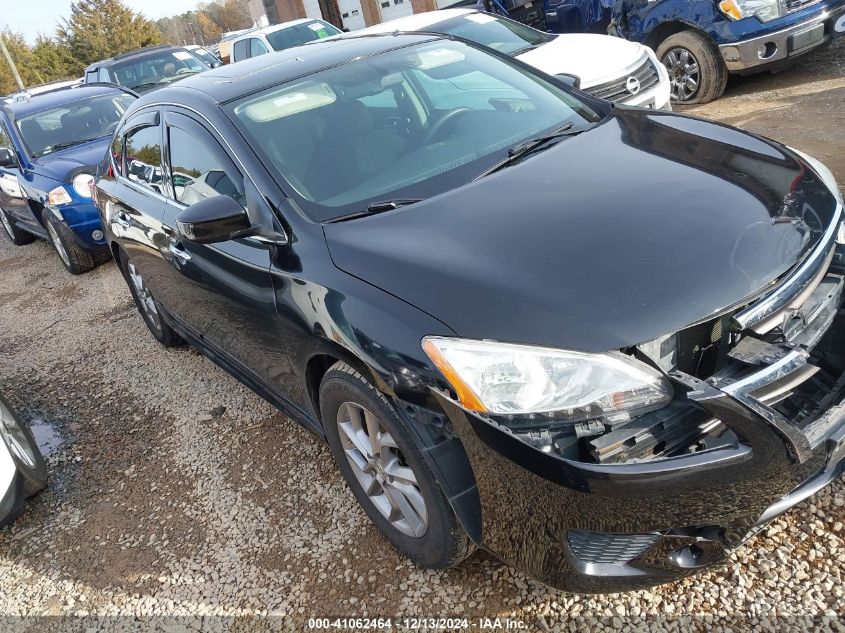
(631, 509)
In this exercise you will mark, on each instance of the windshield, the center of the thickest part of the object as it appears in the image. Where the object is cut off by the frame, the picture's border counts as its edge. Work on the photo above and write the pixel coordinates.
(407, 123)
(72, 123)
(156, 69)
(300, 34)
(500, 34)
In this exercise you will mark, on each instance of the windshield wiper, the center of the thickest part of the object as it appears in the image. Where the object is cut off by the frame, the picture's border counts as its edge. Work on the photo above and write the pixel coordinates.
(521, 150)
(390, 205)
(377, 207)
(149, 84)
(66, 144)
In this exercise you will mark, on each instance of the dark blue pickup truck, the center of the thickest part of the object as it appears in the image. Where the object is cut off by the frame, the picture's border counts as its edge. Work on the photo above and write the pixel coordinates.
(701, 42)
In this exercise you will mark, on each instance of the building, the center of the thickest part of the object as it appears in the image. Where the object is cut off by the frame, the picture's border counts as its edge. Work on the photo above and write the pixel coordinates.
(350, 14)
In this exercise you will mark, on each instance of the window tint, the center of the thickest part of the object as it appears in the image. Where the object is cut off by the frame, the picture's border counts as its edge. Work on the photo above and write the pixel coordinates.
(143, 157)
(197, 172)
(117, 153)
(257, 47)
(240, 50)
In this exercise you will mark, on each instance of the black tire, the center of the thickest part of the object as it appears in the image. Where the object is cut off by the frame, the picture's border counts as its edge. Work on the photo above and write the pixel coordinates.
(32, 469)
(16, 235)
(444, 543)
(74, 258)
(159, 328)
(712, 72)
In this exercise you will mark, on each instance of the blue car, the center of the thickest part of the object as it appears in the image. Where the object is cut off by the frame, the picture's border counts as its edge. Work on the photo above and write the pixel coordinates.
(50, 145)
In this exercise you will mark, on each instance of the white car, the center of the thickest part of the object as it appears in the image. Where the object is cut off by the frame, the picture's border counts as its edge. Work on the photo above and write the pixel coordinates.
(604, 66)
(22, 468)
(280, 36)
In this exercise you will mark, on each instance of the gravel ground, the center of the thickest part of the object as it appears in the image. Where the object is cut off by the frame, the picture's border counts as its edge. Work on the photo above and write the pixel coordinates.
(175, 491)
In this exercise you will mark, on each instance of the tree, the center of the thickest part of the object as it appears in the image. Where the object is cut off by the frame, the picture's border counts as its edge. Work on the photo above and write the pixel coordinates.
(211, 32)
(50, 61)
(22, 56)
(98, 29)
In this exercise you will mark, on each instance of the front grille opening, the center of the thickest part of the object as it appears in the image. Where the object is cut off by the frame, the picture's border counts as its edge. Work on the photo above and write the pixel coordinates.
(618, 89)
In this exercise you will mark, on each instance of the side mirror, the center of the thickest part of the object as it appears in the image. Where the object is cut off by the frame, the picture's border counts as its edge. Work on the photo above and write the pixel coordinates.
(7, 158)
(573, 81)
(213, 220)
(345, 29)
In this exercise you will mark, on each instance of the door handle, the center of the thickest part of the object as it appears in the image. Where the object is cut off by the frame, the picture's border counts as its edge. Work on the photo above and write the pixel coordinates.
(178, 252)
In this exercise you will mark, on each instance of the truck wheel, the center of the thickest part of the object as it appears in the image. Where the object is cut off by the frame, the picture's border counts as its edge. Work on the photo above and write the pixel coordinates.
(76, 259)
(18, 237)
(696, 70)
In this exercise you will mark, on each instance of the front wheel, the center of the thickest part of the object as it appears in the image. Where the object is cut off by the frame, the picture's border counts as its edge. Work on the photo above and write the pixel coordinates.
(696, 71)
(386, 471)
(76, 259)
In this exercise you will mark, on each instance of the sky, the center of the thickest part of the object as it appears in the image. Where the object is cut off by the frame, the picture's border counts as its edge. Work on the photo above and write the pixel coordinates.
(41, 16)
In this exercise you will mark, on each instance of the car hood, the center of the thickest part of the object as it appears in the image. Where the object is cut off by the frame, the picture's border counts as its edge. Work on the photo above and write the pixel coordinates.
(65, 164)
(641, 226)
(594, 59)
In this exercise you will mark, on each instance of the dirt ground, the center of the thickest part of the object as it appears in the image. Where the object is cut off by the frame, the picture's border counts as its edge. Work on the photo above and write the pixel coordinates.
(175, 491)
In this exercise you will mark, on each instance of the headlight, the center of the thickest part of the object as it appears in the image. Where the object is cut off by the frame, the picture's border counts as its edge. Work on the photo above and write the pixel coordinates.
(58, 196)
(81, 185)
(505, 379)
(765, 10)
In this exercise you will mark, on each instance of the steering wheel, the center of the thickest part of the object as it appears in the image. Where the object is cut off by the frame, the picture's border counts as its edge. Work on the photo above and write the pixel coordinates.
(438, 125)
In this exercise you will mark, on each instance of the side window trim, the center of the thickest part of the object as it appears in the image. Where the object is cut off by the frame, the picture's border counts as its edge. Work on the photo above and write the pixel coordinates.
(195, 128)
(144, 119)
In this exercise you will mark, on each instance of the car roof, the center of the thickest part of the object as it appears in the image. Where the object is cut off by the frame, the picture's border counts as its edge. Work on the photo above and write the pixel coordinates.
(417, 21)
(251, 75)
(59, 97)
(141, 52)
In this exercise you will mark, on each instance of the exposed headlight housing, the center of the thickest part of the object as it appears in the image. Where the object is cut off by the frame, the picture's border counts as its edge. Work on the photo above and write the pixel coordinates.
(82, 185)
(503, 379)
(765, 10)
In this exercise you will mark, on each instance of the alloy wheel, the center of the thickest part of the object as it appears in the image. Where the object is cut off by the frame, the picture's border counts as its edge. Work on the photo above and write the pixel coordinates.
(7, 224)
(16, 442)
(684, 73)
(381, 469)
(57, 243)
(145, 299)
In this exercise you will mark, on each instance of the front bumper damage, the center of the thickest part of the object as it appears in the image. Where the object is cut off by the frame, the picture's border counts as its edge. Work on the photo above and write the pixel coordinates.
(633, 510)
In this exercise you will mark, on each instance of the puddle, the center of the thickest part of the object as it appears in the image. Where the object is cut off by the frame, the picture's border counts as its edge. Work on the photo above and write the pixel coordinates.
(46, 437)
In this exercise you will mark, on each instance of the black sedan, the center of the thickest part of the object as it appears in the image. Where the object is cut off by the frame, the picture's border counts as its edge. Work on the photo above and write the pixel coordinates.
(603, 343)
